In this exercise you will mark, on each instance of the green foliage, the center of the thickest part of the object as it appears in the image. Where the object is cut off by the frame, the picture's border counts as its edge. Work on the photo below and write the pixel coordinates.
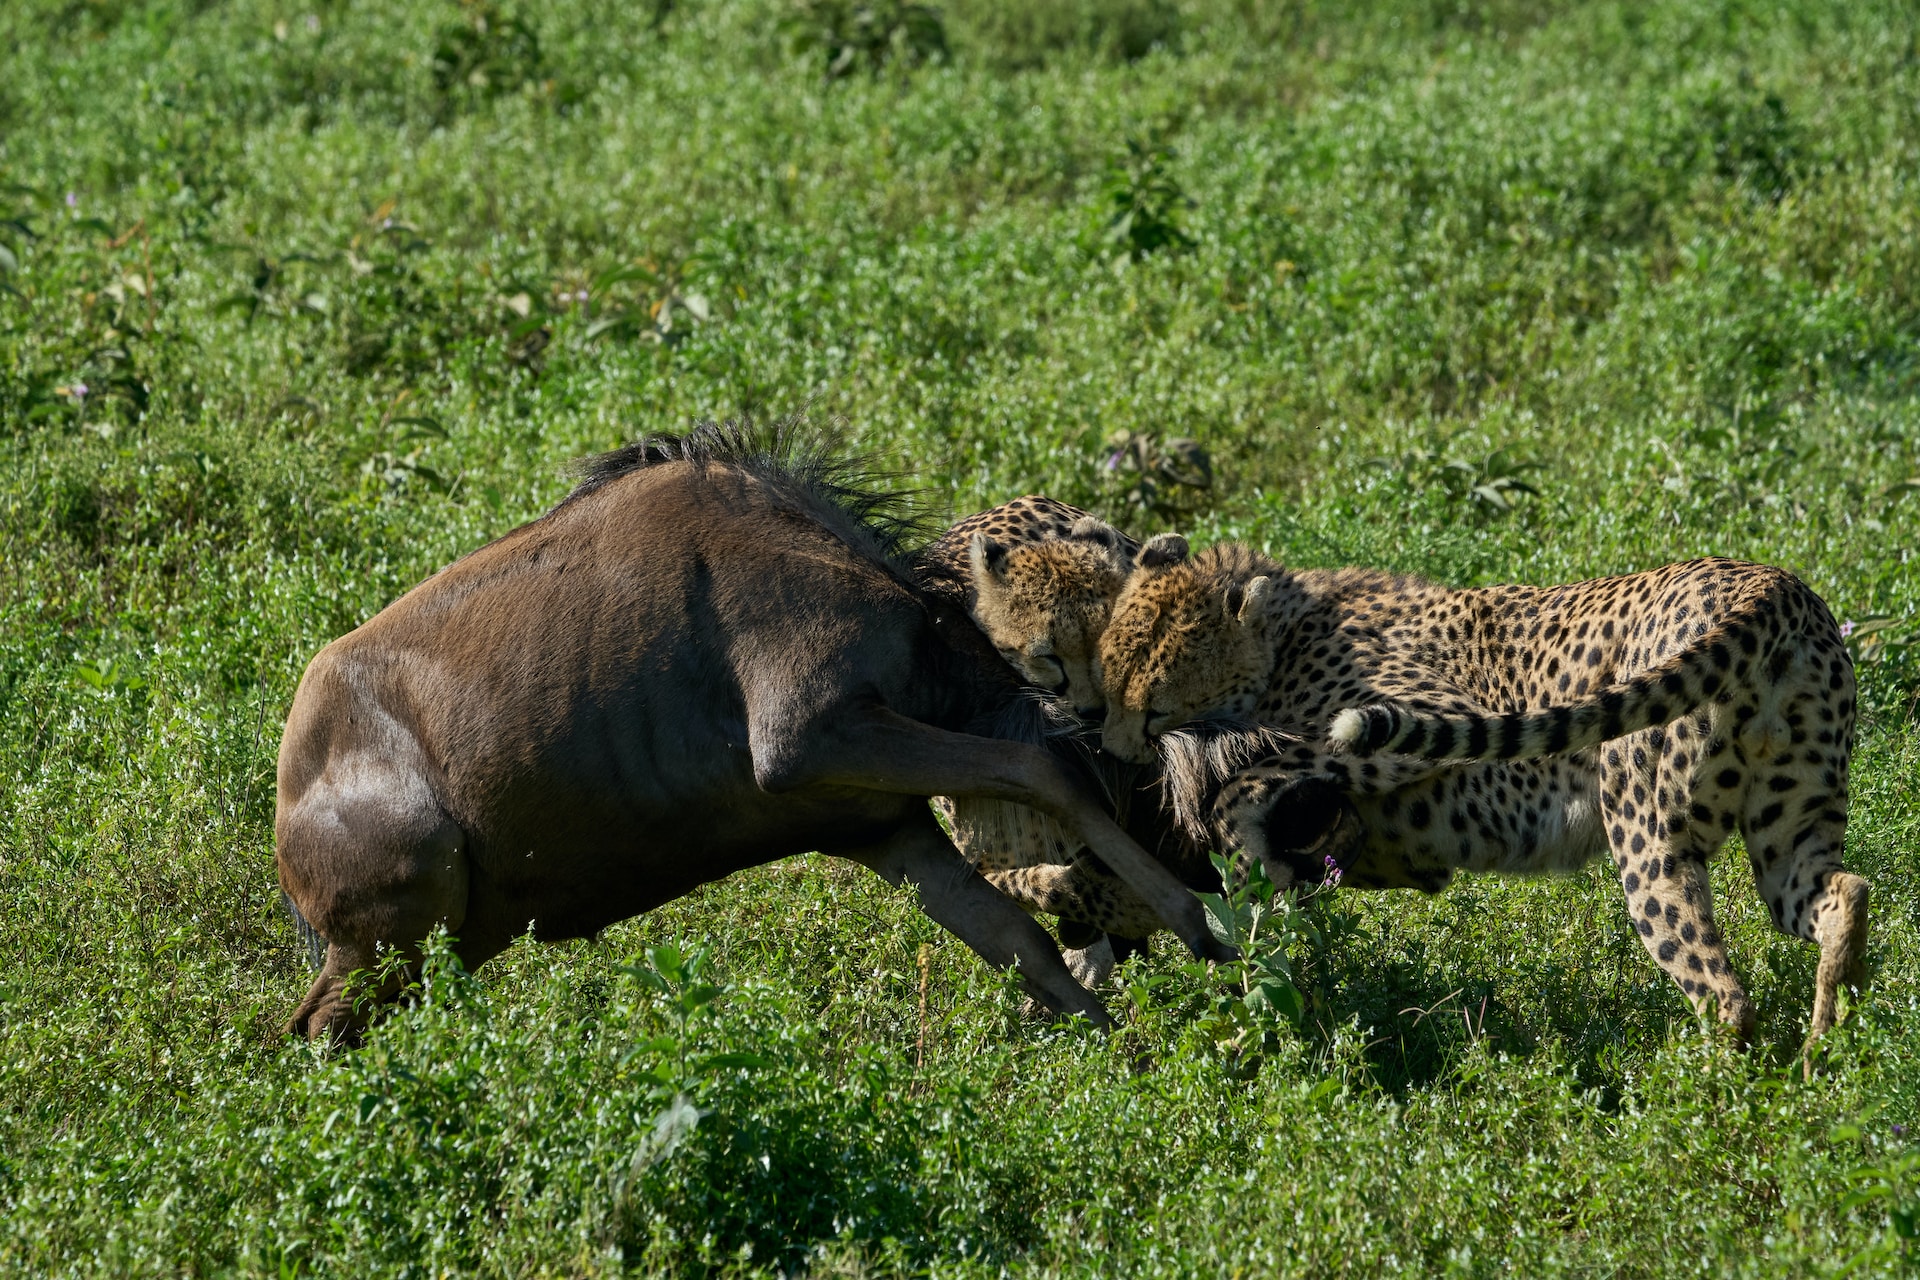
(1144, 205)
(486, 52)
(1894, 1187)
(1161, 478)
(852, 35)
(1489, 486)
(298, 304)
(1256, 992)
(1019, 36)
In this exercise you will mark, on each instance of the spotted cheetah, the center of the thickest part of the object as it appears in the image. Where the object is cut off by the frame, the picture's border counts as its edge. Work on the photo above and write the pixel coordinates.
(999, 565)
(1527, 729)
(1038, 576)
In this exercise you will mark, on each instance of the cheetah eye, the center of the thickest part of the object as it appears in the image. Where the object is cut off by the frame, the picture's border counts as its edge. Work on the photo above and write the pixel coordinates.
(1048, 672)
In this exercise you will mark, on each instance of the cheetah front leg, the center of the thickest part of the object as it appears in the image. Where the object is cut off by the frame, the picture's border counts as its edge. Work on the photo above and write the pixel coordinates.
(1101, 921)
(1081, 891)
(1663, 822)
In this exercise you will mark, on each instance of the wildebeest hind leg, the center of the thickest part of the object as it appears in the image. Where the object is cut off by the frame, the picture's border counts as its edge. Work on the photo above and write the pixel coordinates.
(956, 897)
(879, 749)
(374, 865)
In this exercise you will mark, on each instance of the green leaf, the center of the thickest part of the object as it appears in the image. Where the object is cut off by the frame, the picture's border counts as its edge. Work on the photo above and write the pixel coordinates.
(423, 427)
(734, 1061)
(667, 961)
(620, 275)
(658, 1045)
(103, 676)
(606, 324)
(1221, 920)
(1901, 488)
(1283, 998)
(646, 976)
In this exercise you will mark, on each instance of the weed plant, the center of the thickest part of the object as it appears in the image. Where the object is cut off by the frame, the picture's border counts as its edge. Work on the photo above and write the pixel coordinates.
(301, 299)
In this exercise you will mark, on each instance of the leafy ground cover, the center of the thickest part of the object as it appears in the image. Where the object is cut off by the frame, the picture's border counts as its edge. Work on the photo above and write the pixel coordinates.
(300, 300)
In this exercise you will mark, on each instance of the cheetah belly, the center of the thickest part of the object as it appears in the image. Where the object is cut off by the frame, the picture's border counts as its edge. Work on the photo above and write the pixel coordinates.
(1518, 818)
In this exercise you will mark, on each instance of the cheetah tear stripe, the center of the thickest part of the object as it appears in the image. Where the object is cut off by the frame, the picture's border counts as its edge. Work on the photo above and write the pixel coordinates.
(1720, 659)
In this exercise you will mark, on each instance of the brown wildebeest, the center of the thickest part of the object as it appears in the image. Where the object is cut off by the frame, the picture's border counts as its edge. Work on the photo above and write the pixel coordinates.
(707, 657)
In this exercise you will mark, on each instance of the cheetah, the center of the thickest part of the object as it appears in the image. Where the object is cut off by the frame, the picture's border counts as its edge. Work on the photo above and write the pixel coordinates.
(999, 565)
(1039, 577)
(1526, 729)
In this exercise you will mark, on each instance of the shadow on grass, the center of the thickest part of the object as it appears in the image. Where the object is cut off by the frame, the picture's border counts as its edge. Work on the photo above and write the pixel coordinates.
(1424, 1011)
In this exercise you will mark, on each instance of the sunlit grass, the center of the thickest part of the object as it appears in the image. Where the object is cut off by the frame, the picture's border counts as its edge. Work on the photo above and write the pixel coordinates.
(299, 303)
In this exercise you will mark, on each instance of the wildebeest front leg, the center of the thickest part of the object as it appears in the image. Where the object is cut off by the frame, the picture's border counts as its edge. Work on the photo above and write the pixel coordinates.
(953, 893)
(881, 750)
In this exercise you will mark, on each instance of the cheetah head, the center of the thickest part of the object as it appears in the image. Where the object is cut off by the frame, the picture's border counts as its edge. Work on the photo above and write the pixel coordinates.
(1044, 605)
(1188, 639)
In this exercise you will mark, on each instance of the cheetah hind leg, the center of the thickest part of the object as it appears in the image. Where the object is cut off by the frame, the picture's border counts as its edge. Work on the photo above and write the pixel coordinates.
(1798, 873)
(1841, 928)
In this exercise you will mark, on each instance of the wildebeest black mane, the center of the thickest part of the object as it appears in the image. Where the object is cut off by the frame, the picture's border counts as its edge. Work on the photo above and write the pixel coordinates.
(786, 452)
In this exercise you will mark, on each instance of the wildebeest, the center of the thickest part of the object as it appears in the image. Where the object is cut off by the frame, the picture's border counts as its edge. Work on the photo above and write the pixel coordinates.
(710, 655)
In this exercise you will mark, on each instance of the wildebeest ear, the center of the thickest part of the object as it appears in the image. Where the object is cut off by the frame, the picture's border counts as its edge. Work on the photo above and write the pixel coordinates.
(1094, 529)
(988, 559)
(1161, 550)
(1245, 601)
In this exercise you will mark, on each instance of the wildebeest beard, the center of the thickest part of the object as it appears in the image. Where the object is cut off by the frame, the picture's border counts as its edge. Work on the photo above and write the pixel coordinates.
(1197, 759)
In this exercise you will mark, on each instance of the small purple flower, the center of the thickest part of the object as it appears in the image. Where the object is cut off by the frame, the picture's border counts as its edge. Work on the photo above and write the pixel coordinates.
(78, 390)
(1899, 1131)
(1333, 870)
(1113, 460)
(73, 201)
(1846, 629)
(582, 295)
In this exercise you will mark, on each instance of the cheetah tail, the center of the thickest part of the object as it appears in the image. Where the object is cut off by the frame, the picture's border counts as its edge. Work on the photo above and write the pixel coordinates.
(1723, 657)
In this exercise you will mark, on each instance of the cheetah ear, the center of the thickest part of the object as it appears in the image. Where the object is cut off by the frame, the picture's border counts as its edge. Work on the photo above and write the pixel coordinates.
(988, 560)
(1162, 550)
(1247, 601)
(1094, 529)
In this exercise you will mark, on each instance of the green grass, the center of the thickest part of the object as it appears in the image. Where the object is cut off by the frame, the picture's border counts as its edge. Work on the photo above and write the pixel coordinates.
(318, 267)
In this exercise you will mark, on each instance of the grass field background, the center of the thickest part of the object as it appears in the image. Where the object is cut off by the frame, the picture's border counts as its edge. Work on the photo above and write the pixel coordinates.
(299, 301)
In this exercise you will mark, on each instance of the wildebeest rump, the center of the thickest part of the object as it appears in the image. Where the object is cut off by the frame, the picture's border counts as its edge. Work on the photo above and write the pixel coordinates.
(709, 656)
